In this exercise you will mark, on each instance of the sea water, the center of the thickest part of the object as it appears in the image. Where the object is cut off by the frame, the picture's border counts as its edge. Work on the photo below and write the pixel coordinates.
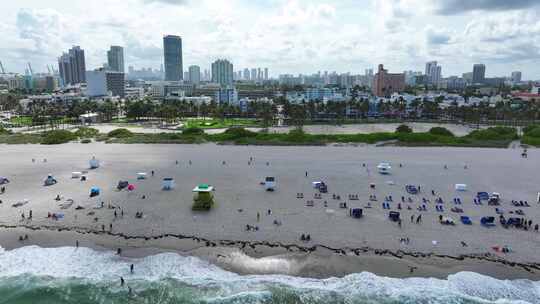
(80, 275)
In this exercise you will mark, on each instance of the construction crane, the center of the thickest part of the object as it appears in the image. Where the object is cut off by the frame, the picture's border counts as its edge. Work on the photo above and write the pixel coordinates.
(2, 68)
(30, 69)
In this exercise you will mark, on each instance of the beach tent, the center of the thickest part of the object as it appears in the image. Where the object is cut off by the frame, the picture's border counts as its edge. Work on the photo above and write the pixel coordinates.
(411, 189)
(384, 168)
(482, 196)
(94, 191)
(487, 221)
(270, 183)
(316, 184)
(355, 212)
(122, 185)
(94, 163)
(461, 187)
(76, 174)
(3, 180)
(50, 180)
(466, 220)
(167, 183)
(131, 187)
(141, 175)
(446, 220)
(393, 216)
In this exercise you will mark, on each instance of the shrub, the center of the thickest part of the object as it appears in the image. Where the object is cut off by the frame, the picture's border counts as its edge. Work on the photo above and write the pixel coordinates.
(530, 128)
(193, 131)
(4, 131)
(403, 129)
(440, 131)
(120, 133)
(56, 137)
(532, 131)
(85, 132)
(494, 133)
(86, 141)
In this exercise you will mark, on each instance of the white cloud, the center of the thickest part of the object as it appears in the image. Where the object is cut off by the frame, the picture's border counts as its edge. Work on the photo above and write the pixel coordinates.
(288, 36)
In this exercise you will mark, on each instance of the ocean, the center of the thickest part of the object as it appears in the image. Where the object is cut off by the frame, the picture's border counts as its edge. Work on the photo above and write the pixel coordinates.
(81, 275)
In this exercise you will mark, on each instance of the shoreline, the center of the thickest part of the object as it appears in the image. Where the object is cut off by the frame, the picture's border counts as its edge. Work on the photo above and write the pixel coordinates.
(260, 257)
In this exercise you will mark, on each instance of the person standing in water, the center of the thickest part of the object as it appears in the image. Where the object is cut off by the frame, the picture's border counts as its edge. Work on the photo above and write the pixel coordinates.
(131, 268)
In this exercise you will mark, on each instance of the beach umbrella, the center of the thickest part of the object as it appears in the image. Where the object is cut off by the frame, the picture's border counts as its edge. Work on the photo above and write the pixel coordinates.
(131, 187)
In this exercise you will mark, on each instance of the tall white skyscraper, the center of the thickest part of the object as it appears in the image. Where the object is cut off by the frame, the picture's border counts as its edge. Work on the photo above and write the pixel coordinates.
(223, 73)
(433, 72)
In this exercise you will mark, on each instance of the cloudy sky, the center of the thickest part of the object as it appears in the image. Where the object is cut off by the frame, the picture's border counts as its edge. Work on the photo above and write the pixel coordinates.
(287, 36)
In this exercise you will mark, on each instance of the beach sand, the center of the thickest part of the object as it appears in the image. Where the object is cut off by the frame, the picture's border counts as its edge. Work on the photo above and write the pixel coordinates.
(237, 188)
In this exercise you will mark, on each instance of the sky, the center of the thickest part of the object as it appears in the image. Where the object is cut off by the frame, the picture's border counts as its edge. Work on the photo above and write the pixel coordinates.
(287, 36)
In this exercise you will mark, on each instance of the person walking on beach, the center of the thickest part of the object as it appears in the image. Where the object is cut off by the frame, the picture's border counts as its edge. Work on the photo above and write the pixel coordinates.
(306, 173)
(76, 243)
(258, 216)
(419, 219)
(412, 218)
(153, 173)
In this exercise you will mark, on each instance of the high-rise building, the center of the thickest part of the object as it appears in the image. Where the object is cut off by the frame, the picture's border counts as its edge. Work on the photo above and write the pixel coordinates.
(72, 67)
(115, 58)
(246, 74)
(195, 74)
(385, 84)
(102, 82)
(433, 72)
(172, 51)
(266, 73)
(516, 76)
(222, 72)
(479, 73)
(254, 74)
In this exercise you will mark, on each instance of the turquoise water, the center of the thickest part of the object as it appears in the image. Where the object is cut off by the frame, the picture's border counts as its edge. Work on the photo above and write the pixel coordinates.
(70, 275)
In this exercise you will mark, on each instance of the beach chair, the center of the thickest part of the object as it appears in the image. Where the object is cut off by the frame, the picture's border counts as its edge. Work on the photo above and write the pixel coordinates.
(465, 220)
(499, 211)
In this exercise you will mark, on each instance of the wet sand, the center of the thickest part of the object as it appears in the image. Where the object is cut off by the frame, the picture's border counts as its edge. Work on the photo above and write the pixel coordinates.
(237, 188)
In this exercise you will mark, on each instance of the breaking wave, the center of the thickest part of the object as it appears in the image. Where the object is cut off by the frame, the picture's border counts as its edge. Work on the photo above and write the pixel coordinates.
(82, 275)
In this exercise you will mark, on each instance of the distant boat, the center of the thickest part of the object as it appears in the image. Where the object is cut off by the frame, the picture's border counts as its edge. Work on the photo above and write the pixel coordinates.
(384, 168)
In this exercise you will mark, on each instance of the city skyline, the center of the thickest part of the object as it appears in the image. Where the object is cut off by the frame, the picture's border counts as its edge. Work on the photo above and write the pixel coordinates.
(457, 34)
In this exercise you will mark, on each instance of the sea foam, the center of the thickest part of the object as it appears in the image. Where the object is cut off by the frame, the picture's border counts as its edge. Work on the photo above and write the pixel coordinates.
(104, 266)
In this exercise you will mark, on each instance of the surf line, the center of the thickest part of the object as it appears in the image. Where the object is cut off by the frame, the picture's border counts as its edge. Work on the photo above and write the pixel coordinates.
(488, 257)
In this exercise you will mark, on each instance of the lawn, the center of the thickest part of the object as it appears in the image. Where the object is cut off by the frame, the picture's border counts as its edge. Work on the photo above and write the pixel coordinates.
(221, 124)
(21, 120)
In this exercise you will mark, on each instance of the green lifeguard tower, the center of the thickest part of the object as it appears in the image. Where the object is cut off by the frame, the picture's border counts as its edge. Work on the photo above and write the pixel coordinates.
(203, 199)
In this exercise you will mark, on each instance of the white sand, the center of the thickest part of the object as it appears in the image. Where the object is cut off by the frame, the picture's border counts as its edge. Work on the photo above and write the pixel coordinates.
(237, 187)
